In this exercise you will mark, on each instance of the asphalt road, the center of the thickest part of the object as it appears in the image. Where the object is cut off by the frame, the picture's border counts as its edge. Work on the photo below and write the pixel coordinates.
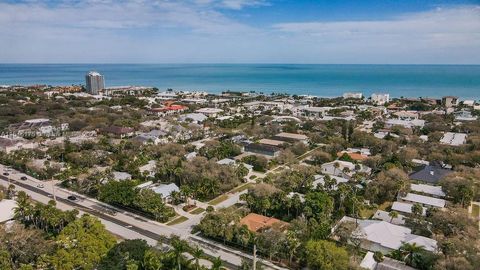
(96, 213)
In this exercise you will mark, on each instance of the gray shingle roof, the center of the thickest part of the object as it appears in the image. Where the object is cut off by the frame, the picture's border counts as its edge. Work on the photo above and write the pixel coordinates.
(430, 174)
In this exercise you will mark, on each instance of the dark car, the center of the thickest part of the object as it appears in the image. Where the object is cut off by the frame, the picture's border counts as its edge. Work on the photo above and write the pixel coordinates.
(6, 174)
(72, 198)
(24, 178)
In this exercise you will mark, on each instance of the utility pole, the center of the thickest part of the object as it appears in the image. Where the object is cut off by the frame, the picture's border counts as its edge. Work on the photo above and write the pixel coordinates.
(254, 256)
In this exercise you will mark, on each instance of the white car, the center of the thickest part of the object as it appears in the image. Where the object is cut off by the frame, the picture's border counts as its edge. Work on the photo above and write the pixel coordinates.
(40, 186)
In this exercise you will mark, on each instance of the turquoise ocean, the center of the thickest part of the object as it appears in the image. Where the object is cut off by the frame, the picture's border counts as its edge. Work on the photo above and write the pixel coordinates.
(320, 80)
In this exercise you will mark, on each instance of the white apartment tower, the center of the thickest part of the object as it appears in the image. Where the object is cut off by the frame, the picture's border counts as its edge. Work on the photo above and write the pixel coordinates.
(94, 82)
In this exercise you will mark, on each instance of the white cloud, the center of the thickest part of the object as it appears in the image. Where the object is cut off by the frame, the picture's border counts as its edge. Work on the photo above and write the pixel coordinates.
(199, 31)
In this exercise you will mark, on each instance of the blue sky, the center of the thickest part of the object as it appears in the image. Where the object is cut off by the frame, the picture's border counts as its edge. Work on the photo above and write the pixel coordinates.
(240, 31)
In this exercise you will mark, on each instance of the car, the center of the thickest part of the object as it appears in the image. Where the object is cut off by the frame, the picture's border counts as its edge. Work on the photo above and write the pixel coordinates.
(72, 198)
(6, 174)
(24, 178)
(40, 186)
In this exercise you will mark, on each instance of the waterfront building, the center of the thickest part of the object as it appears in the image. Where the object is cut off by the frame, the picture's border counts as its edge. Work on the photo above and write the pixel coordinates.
(94, 82)
(380, 99)
(356, 95)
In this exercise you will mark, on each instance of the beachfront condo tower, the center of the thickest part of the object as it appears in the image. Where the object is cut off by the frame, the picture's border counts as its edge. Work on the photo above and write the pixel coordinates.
(94, 82)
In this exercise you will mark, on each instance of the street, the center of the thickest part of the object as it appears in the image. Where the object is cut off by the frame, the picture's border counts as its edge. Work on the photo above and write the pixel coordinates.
(124, 224)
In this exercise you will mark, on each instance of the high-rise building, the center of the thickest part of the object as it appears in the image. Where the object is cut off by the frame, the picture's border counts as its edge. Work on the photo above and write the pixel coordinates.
(94, 82)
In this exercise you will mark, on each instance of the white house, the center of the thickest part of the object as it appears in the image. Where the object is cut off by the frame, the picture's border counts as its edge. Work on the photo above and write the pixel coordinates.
(165, 190)
(435, 191)
(424, 200)
(406, 208)
(7, 210)
(385, 237)
(407, 123)
(454, 138)
(210, 112)
(380, 99)
(344, 168)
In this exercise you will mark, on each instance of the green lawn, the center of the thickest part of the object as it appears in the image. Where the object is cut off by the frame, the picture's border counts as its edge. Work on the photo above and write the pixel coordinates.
(177, 220)
(197, 211)
(386, 205)
(367, 213)
(475, 210)
(241, 188)
(218, 200)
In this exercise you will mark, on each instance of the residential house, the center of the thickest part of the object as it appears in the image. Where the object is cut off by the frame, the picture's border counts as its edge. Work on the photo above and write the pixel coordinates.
(464, 115)
(262, 149)
(385, 237)
(434, 191)
(197, 118)
(385, 216)
(210, 112)
(407, 123)
(7, 210)
(119, 132)
(344, 168)
(291, 137)
(454, 138)
(404, 207)
(430, 174)
(165, 190)
(387, 263)
(258, 223)
(423, 200)
(121, 176)
(148, 169)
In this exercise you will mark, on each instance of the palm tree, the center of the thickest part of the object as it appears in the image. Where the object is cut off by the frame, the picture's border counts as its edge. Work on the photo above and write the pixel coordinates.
(179, 247)
(392, 215)
(216, 264)
(410, 251)
(23, 209)
(197, 254)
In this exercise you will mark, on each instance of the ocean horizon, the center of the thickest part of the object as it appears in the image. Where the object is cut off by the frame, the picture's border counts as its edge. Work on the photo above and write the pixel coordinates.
(323, 80)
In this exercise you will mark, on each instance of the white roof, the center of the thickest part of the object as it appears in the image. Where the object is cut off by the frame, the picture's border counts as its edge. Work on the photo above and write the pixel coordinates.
(165, 190)
(149, 167)
(292, 136)
(209, 110)
(384, 215)
(389, 235)
(198, 117)
(271, 142)
(7, 208)
(411, 197)
(406, 123)
(94, 73)
(405, 208)
(320, 179)
(144, 185)
(454, 139)
(428, 189)
(226, 161)
(368, 262)
(121, 175)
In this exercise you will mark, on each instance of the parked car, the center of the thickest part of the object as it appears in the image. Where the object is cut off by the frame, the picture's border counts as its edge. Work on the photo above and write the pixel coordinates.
(24, 178)
(6, 174)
